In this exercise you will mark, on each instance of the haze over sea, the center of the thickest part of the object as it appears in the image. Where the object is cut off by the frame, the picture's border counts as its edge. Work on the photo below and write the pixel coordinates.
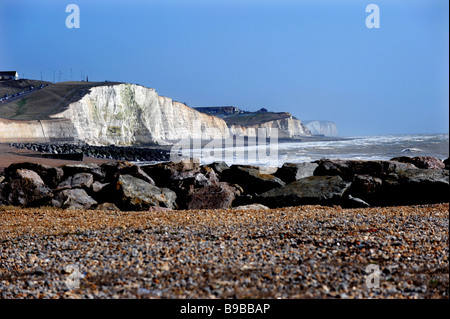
(381, 147)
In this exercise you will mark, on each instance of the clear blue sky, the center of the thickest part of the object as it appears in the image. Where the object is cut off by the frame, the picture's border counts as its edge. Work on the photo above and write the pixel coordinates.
(315, 59)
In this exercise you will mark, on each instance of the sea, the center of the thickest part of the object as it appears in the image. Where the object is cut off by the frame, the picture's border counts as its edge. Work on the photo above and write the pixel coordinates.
(381, 147)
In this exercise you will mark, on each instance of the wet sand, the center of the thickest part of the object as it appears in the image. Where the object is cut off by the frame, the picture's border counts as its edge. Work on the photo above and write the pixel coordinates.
(10, 155)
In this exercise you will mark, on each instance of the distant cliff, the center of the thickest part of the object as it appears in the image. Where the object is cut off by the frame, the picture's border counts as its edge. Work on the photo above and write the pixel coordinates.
(287, 127)
(317, 127)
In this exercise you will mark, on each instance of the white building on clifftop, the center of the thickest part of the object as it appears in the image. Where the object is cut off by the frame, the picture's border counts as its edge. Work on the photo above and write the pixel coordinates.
(8, 75)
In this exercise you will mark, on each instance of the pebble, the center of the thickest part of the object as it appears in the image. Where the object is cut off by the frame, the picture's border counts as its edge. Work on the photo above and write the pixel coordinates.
(293, 252)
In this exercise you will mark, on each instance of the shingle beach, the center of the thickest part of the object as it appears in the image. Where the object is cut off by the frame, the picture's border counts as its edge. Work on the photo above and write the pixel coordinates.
(293, 252)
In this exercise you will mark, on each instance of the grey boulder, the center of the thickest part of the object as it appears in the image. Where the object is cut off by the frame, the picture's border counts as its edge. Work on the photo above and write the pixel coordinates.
(314, 190)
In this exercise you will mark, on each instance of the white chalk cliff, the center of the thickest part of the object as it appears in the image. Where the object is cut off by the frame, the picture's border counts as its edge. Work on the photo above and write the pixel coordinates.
(326, 128)
(288, 127)
(127, 114)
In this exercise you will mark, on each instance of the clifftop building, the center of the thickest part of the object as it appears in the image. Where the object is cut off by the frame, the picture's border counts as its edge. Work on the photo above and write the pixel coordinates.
(219, 110)
(8, 75)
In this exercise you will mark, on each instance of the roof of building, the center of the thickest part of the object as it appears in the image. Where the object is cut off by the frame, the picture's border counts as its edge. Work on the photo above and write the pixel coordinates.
(8, 73)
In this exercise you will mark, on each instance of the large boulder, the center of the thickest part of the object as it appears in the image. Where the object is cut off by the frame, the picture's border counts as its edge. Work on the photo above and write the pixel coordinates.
(447, 163)
(25, 188)
(76, 198)
(80, 180)
(415, 186)
(314, 190)
(162, 173)
(217, 196)
(114, 169)
(347, 169)
(218, 167)
(427, 162)
(251, 179)
(290, 172)
(132, 193)
(50, 175)
(91, 168)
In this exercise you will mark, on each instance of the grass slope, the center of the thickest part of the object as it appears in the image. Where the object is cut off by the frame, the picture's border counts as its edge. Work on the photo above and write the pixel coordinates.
(44, 102)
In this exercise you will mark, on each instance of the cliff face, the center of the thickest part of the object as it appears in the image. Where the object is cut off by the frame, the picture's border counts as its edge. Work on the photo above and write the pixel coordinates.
(127, 114)
(288, 127)
(42, 131)
(326, 128)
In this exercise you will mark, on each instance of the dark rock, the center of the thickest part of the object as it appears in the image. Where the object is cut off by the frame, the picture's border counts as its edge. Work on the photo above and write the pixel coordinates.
(80, 180)
(76, 198)
(51, 176)
(447, 163)
(415, 186)
(366, 187)
(91, 168)
(251, 179)
(26, 189)
(217, 196)
(163, 173)
(426, 162)
(218, 167)
(314, 190)
(132, 193)
(290, 172)
(114, 169)
(347, 169)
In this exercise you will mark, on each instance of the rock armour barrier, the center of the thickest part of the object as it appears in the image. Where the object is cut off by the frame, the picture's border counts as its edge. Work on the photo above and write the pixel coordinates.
(121, 185)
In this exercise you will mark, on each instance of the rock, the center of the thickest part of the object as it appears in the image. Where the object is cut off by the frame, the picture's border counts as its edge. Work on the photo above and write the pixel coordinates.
(251, 179)
(314, 190)
(162, 173)
(76, 198)
(114, 169)
(91, 168)
(218, 167)
(107, 206)
(2, 178)
(217, 196)
(251, 207)
(80, 180)
(347, 169)
(427, 162)
(50, 175)
(135, 194)
(447, 163)
(97, 186)
(26, 188)
(415, 186)
(290, 172)
(354, 202)
(366, 187)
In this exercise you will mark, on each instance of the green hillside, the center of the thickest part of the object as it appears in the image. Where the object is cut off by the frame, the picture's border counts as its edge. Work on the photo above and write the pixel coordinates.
(254, 118)
(40, 104)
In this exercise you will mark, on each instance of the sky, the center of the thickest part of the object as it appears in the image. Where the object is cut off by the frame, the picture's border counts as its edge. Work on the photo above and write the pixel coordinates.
(316, 59)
